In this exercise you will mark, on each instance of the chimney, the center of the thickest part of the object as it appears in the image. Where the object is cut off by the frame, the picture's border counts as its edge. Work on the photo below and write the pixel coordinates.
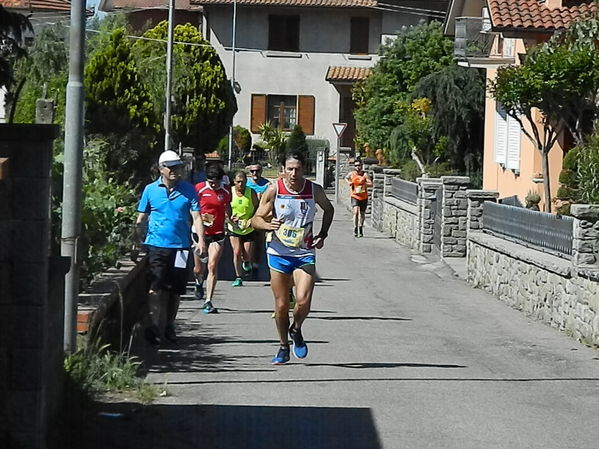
(553, 4)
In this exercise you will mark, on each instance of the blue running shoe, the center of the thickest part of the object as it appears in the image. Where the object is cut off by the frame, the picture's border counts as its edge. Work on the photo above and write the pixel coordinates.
(300, 348)
(282, 356)
(209, 308)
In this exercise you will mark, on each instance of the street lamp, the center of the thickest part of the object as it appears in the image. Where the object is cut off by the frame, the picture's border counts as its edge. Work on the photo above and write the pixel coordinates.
(233, 38)
(169, 76)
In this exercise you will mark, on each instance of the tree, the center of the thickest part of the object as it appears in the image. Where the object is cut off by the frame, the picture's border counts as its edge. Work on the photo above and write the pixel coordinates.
(457, 108)
(204, 103)
(119, 107)
(520, 91)
(297, 141)
(45, 67)
(12, 26)
(418, 52)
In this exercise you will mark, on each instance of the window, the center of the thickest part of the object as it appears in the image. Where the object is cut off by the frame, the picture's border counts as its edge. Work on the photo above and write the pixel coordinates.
(283, 33)
(507, 139)
(358, 41)
(283, 111)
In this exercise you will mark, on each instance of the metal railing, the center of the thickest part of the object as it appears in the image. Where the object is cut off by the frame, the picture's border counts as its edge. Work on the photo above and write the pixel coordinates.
(473, 37)
(539, 230)
(404, 190)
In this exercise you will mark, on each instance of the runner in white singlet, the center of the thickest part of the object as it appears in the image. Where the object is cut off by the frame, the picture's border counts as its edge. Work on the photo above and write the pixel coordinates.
(288, 208)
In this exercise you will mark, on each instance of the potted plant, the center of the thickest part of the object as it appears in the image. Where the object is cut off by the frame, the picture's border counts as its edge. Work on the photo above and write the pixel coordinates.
(532, 200)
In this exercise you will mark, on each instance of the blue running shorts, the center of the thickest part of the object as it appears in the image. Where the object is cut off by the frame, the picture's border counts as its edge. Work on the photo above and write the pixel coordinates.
(288, 264)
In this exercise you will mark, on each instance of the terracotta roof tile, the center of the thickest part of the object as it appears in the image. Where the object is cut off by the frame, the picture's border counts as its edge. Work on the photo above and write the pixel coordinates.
(534, 15)
(337, 73)
(319, 3)
(37, 5)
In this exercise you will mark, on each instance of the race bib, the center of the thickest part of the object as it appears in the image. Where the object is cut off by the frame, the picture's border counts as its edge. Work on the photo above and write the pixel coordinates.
(359, 189)
(207, 219)
(290, 236)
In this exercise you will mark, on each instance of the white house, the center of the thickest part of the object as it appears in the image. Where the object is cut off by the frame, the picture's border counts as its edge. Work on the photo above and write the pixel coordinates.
(296, 60)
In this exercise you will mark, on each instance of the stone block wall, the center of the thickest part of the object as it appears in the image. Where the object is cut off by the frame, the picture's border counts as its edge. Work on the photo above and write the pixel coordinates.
(31, 289)
(427, 194)
(543, 286)
(400, 221)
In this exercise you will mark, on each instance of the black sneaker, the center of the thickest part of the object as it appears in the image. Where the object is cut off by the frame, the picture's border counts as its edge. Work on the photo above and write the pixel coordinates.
(300, 348)
(170, 334)
(151, 335)
(356, 231)
(209, 308)
(199, 291)
(360, 232)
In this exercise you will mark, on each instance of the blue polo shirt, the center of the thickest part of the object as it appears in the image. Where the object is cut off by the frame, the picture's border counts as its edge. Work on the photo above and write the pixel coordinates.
(169, 224)
(258, 187)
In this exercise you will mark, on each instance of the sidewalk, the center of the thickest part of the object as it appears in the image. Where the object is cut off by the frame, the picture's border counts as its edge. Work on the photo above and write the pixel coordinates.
(403, 354)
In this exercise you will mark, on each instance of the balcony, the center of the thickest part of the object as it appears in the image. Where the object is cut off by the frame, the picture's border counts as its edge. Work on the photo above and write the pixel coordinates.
(473, 37)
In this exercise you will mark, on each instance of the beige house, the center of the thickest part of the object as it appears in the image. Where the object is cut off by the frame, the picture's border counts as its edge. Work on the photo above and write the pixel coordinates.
(492, 33)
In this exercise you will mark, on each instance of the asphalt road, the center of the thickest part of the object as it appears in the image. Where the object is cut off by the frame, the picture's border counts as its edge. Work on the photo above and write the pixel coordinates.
(403, 354)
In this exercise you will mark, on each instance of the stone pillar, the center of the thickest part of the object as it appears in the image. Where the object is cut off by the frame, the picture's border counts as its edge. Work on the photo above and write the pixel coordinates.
(427, 191)
(476, 198)
(30, 330)
(455, 212)
(376, 197)
(585, 245)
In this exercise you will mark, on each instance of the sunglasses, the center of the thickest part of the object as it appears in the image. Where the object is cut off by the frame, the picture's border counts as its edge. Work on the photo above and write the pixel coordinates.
(254, 171)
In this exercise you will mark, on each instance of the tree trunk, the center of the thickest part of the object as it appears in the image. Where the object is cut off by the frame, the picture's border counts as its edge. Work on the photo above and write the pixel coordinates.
(546, 183)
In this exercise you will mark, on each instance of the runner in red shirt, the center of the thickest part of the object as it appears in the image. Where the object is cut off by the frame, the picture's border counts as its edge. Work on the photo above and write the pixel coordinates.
(214, 199)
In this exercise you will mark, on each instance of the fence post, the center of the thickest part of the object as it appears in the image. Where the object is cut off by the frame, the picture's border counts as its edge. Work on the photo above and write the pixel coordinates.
(476, 198)
(454, 216)
(585, 243)
(427, 190)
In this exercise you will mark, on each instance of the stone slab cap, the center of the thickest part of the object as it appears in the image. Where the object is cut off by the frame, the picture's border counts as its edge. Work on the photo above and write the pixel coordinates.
(483, 194)
(392, 171)
(589, 212)
(432, 181)
(462, 180)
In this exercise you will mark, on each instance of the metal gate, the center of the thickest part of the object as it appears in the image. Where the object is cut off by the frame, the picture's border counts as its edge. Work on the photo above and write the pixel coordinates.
(437, 213)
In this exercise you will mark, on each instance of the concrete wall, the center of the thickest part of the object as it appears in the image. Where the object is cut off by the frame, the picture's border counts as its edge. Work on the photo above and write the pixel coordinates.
(324, 42)
(31, 290)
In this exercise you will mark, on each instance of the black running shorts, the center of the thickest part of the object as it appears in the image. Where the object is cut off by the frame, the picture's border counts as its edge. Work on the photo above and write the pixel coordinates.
(162, 273)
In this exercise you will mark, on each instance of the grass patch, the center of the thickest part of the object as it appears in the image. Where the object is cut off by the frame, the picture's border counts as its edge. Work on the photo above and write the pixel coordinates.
(99, 371)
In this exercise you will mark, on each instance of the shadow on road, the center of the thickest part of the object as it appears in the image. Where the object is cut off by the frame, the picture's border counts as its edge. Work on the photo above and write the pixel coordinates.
(125, 425)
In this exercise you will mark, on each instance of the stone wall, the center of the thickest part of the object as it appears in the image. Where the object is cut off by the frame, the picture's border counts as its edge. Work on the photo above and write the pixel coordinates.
(31, 290)
(544, 286)
(400, 221)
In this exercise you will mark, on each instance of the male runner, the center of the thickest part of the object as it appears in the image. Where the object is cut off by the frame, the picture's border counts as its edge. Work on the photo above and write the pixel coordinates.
(291, 202)
(359, 182)
(168, 203)
(255, 181)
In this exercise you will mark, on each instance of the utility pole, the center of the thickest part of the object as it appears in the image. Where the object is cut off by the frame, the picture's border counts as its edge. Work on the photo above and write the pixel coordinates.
(73, 163)
(233, 39)
(168, 144)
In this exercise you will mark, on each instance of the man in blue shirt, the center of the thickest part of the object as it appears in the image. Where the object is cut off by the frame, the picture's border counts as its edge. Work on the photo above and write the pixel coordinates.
(168, 205)
(255, 181)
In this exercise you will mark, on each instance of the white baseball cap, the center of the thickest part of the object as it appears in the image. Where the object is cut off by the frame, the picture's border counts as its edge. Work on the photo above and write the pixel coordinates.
(169, 158)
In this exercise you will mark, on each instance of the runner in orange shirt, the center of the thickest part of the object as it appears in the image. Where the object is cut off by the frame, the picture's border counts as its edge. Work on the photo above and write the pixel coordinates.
(359, 182)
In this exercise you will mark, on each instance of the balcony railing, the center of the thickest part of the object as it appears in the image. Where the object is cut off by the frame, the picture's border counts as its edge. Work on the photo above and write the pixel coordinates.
(473, 37)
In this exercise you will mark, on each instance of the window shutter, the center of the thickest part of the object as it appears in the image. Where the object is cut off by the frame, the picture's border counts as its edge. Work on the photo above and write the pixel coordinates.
(513, 144)
(258, 113)
(305, 106)
(500, 134)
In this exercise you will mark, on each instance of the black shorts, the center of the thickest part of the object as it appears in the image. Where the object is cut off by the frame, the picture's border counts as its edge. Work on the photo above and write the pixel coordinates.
(215, 238)
(362, 204)
(251, 237)
(162, 273)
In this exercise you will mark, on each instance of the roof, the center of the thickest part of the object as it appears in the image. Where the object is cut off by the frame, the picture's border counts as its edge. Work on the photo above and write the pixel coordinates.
(347, 74)
(37, 5)
(318, 3)
(533, 15)
(143, 4)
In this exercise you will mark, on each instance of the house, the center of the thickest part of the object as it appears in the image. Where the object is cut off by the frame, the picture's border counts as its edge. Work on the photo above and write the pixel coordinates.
(145, 14)
(296, 60)
(492, 33)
